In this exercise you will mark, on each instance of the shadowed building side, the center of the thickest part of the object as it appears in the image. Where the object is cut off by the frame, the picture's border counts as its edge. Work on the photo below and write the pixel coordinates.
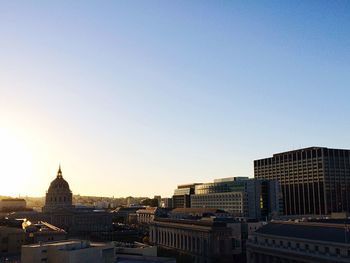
(58, 196)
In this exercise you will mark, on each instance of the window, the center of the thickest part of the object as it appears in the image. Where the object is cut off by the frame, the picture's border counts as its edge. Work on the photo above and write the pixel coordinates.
(289, 244)
(326, 249)
(281, 243)
(316, 248)
(297, 245)
(337, 251)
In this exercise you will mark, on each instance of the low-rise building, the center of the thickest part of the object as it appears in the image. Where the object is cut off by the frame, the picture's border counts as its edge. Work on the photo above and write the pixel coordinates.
(72, 251)
(138, 252)
(248, 228)
(146, 215)
(11, 240)
(13, 204)
(121, 214)
(204, 240)
(43, 232)
(296, 242)
(166, 202)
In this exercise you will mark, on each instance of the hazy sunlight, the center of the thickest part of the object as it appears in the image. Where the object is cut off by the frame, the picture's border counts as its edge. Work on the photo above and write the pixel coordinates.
(16, 163)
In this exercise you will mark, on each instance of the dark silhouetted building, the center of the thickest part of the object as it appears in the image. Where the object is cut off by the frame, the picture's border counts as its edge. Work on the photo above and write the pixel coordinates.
(58, 196)
(59, 211)
(313, 180)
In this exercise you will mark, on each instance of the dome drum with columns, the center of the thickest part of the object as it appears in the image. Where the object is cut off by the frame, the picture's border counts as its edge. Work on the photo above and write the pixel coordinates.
(58, 196)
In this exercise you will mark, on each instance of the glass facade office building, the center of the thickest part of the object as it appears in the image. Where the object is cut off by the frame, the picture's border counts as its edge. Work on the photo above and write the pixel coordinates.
(222, 186)
(239, 196)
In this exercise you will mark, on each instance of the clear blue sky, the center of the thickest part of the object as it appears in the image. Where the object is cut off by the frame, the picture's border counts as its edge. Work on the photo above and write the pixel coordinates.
(135, 97)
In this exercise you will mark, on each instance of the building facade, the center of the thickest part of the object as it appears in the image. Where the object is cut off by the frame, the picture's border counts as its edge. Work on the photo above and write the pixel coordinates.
(166, 202)
(73, 251)
(12, 204)
(138, 252)
(11, 240)
(60, 211)
(205, 240)
(182, 195)
(240, 196)
(314, 181)
(58, 196)
(300, 242)
(232, 202)
(147, 215)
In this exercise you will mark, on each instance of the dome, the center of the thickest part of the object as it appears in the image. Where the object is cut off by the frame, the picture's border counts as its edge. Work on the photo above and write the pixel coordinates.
(58, 196)
(59, 183)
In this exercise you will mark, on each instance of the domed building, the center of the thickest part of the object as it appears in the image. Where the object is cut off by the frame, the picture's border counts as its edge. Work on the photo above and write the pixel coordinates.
(59, 211)
(58, 196)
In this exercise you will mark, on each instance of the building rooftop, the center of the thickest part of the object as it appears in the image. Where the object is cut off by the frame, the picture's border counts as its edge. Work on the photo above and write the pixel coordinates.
(147, 210)
(301, 150)
(197, 210)
(72, 244)
(42, 227)
(120, 244)
(13, 199)
(60, 243)
(143, 259)
(208, 222)
(231, 179)
(181, 186)
(305, 230)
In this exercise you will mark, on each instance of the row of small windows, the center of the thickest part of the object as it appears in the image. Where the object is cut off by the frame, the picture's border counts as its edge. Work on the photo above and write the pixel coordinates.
(306, 246)
(59, 199)
(303, 155)
(229, 198)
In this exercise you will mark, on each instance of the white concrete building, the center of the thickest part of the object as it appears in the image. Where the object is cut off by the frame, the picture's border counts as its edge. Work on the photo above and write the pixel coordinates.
(68, 251)
(232, 202)
(138, 252)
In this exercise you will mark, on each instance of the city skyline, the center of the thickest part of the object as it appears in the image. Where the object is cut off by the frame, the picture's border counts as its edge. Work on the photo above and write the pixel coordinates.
(137, 98)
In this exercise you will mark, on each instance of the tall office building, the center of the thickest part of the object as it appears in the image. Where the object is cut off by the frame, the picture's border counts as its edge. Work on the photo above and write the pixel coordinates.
(313, 180)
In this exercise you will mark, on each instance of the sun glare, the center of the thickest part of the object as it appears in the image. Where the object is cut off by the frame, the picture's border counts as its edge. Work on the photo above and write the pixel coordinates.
(16, 163)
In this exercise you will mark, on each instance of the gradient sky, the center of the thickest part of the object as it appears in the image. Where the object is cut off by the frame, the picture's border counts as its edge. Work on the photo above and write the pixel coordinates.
(136, 97)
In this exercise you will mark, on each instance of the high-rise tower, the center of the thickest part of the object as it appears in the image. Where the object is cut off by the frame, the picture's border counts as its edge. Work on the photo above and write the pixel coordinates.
(313, 180)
